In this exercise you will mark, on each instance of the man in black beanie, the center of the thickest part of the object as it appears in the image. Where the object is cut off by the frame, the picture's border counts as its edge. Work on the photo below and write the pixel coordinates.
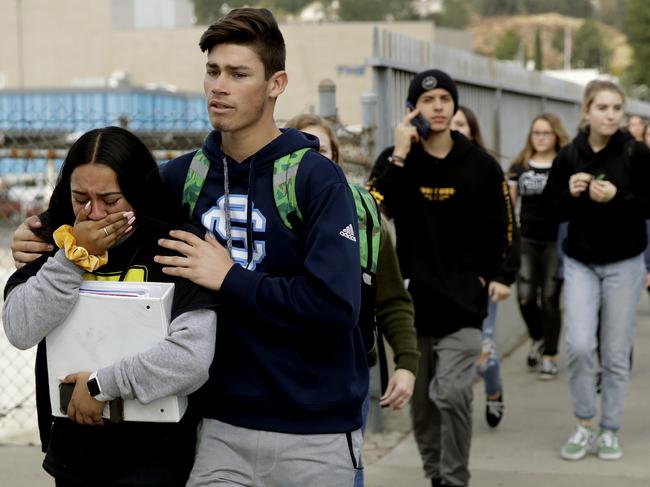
(452, 214)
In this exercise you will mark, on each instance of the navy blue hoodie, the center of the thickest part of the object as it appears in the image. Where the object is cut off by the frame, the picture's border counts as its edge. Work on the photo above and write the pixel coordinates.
(289, 356)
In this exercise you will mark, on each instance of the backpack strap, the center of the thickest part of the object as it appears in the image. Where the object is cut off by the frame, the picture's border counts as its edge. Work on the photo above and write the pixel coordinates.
(369, 228)
(285, 170)
(194, 180)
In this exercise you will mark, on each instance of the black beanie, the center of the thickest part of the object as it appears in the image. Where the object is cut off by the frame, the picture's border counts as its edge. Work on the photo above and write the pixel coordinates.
(428, 80)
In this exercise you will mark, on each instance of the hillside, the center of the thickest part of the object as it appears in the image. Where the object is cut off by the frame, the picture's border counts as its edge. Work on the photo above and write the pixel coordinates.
(488, 30)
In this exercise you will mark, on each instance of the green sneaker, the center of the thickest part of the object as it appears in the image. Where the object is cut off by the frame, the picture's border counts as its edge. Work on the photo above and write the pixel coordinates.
(579, 444)
(607, 446)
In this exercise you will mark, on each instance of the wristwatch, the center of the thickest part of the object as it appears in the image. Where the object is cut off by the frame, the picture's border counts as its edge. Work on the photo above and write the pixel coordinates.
(95, 389)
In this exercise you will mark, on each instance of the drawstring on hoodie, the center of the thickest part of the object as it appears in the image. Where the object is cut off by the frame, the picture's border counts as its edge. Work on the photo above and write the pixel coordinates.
(226, 189)
(249, 210)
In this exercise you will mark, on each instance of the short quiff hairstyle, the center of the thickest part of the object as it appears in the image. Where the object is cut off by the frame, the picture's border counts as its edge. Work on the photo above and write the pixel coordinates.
(252, 27)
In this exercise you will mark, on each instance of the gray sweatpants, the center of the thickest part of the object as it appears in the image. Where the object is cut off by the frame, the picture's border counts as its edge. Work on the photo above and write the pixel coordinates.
(441, 407)
(228, 455)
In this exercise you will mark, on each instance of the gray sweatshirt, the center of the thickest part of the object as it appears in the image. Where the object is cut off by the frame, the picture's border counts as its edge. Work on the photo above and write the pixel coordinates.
(175, 366)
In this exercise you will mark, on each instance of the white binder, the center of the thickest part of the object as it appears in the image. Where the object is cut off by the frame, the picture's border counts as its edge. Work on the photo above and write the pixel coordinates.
(110, 321)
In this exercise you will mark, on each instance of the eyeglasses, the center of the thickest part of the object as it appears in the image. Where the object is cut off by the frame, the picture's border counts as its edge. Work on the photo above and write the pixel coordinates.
(543, 134)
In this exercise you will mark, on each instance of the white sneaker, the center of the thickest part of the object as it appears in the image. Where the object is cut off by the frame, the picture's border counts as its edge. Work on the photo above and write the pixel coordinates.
(579, 444)
(548, 370)
(607, 446)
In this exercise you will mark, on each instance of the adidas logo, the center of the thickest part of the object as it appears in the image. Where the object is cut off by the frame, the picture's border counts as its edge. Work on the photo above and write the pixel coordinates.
(348, 232)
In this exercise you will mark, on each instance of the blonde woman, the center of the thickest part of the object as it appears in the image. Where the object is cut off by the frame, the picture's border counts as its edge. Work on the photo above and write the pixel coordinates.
(599, 184)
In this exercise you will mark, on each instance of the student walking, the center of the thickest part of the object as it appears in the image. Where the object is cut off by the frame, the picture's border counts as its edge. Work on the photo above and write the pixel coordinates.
(488, 367)
(392, 307)
(600, 186)
(538, 282)
(635, 127)
(452, 216)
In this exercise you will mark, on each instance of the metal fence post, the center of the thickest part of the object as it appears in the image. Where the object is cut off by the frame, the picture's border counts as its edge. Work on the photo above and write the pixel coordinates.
(369, 123)
(327, 99)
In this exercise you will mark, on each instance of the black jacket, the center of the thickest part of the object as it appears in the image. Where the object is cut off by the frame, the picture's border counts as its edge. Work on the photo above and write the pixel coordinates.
(601, 233)
(453, 219)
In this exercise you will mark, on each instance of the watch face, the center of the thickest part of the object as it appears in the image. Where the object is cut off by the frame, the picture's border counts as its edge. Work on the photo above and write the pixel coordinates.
(93, 387)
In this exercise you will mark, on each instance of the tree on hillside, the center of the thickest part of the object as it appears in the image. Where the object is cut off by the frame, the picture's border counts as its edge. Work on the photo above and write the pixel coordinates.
(207, 11)
(637, 23)
(376, 10)
(538, 50)
(573, 8)
(589, 48)
(576, 8)
(497, 7)
(557, 42)
(454, 15)
(508, 45)
(289, 6)
(612, 12)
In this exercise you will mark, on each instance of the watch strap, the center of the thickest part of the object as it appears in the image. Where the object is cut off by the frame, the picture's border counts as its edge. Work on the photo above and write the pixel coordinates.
(95, 388)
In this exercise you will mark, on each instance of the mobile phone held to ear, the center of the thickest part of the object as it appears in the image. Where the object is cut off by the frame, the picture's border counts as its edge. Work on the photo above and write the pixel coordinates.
(420, 124)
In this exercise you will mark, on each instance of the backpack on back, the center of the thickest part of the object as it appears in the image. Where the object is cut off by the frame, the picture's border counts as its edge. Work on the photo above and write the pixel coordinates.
(285, 170)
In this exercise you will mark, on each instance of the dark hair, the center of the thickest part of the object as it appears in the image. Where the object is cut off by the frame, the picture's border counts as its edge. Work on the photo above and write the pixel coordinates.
(137, 174)
(252, 27)
(301, 122)
(472, 123)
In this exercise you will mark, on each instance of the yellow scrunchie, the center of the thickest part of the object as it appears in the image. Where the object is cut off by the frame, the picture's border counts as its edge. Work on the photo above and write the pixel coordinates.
(64, 239)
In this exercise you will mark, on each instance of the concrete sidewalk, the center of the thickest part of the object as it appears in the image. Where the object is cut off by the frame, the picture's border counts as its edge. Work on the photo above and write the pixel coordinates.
(524, 448)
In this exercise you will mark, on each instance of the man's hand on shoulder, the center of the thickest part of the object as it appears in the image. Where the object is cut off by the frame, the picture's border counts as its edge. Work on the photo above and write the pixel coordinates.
(26, 246)
(204, 262)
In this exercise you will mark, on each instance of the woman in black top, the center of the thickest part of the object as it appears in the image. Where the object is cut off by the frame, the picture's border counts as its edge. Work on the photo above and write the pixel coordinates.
(538, 273)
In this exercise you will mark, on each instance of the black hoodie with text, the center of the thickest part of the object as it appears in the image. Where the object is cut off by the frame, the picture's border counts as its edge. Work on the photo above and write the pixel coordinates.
(454, 224)
(601, 233)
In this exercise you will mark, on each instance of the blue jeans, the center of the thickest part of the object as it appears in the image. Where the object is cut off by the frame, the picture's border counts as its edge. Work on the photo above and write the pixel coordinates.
(489, 369)
(614, 290)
